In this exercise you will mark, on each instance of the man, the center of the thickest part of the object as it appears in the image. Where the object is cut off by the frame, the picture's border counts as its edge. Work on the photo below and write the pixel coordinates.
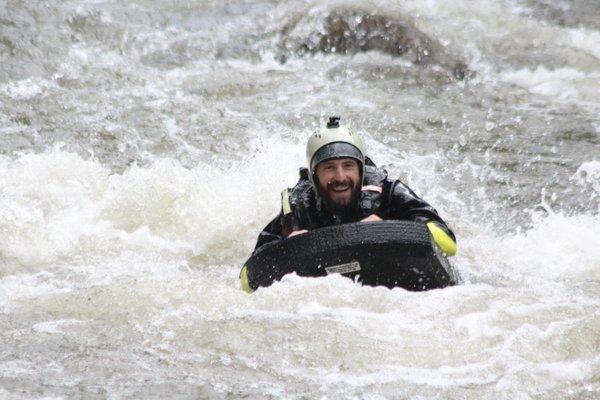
(342, 185)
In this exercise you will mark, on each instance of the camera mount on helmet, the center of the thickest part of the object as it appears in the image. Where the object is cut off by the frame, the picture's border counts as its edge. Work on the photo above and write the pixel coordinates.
(334, 122)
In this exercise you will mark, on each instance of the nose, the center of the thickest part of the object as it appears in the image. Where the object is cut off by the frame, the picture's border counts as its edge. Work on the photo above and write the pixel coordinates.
(339, 176)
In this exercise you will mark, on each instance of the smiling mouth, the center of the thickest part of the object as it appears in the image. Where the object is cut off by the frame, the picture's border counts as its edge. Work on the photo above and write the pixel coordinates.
(339, 188)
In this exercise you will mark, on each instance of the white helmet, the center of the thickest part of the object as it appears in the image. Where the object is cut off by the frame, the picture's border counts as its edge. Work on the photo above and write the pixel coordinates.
(334, 141)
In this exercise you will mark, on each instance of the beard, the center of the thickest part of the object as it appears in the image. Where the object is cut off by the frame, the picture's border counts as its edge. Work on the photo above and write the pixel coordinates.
(345, 208)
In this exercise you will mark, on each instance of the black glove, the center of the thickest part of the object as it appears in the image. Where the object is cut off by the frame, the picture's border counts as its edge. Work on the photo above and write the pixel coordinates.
(371, 195)
(301, 200)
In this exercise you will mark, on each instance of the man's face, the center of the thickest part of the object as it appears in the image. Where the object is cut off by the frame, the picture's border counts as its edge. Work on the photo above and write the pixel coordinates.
(339, 184)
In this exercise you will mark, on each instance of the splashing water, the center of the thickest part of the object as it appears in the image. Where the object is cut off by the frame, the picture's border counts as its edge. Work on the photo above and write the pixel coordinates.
(144, 146)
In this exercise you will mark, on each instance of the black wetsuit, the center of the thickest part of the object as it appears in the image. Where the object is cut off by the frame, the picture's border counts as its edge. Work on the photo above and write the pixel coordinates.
(396, 201)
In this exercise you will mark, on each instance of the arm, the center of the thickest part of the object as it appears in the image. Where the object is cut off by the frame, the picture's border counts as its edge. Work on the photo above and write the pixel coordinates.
(292, 220)
(295, 217)
(404, 204)
(271, 233)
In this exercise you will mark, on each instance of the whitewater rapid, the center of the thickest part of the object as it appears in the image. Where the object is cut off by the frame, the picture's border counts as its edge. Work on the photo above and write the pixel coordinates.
(143, 147)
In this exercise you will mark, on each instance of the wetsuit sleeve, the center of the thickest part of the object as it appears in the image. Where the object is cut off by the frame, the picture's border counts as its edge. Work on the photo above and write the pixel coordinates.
(404, 204)
(271, 233)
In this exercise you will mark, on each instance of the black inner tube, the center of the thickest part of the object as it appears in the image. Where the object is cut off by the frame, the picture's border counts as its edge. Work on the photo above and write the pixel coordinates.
(387, 253)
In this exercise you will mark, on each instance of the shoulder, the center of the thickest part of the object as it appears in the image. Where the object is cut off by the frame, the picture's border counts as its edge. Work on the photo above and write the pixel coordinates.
(401, 189)
(374, 175)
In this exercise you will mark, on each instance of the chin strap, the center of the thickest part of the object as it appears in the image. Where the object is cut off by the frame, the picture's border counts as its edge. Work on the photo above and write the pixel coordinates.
(442, 239)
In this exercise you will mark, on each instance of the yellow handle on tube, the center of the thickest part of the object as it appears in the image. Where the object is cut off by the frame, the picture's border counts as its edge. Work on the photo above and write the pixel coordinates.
(244, 280)
(442, 239)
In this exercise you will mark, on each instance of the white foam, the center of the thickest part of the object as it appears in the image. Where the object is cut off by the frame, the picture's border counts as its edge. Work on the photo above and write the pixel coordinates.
(55, 326)
(478, 325)
(152, 254)
(49, 201)
(586, 40)
(57, 205)
(566, 371)
(26, 89)
(558, 247)
(16, 368)
(561, 83)
(143, 238)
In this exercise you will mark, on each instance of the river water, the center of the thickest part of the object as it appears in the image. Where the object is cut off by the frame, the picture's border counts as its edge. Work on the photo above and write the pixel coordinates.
(144, 145)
